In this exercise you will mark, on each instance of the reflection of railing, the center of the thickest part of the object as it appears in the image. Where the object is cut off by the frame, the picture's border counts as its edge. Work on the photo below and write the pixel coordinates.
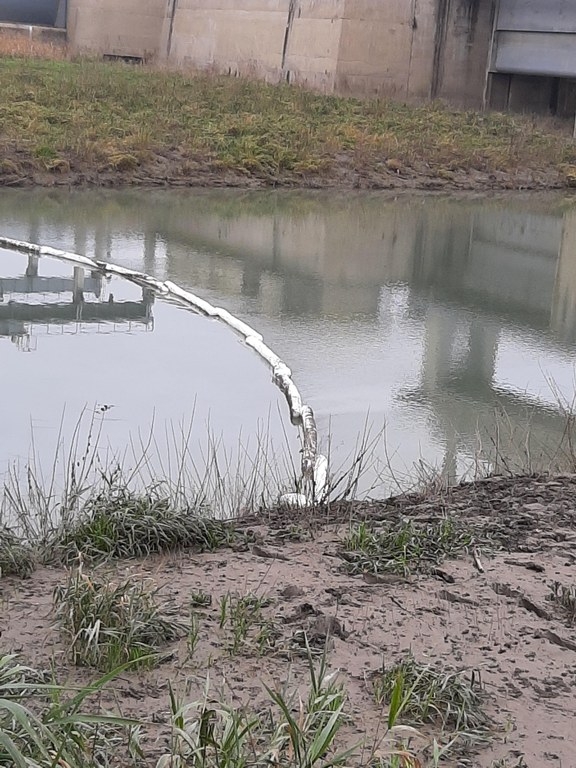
(314, 466)
(16, 316)
(81, 312)
(26, 284)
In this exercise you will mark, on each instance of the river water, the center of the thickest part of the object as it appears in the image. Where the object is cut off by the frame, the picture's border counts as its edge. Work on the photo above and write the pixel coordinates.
(441, 331)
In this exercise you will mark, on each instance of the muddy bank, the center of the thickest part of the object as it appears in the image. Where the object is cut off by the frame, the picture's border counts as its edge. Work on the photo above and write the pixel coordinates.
(489, 610)
(175, 170)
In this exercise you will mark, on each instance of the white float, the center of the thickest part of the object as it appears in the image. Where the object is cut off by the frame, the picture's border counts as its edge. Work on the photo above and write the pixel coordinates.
(314, 466)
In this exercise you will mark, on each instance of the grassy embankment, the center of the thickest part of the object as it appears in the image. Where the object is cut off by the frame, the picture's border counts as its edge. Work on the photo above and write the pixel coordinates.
(68, 121)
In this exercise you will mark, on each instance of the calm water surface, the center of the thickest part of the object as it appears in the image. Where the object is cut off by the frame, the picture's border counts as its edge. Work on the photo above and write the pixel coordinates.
(448, 326)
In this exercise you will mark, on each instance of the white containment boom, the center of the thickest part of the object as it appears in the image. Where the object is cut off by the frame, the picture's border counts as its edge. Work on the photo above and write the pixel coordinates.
(314, 467)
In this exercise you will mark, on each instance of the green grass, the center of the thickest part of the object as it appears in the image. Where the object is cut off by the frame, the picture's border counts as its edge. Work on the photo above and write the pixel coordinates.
(291, 731)
(44, 725)
(200, 599)
(404, 547)
(123, 524)
(245, 625)
(16, 559)
(87, 115)
(106, 625)
(116, 523)
(423, 693)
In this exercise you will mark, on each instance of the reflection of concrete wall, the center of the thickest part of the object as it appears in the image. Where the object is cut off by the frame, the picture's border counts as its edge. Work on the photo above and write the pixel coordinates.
(498, 259)
(393, 48)
(322, 242)
(564, 305)
(522, 249)
(320, 245)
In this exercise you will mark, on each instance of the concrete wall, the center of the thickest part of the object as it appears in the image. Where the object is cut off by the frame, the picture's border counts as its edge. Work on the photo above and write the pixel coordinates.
(463, 59)
(110, 27)
(229, 36)
(406, 49)
(415, 49)
(313, 43)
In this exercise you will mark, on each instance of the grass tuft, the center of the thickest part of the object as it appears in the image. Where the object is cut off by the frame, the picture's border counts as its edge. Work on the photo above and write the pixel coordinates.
(43, 726)
(565, 598)
(107, 625)
(242, 617)
(16, 559)
(293, 732)
(423, 693)
(404, 547)
(123, 524)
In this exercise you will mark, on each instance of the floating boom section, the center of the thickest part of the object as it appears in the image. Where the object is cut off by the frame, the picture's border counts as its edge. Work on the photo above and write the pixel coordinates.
(314, 466)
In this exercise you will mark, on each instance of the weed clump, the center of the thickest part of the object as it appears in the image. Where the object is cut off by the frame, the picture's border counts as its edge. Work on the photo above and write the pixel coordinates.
(42, 724)
(292, 732)
(423, 693)
(404, 547)
(16, 559)
(242, 617)
(124, 524)
(565, 597)
(108, 625)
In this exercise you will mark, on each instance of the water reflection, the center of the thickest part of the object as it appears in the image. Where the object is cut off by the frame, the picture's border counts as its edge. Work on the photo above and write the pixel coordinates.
(33, 305)
(117, 378)
(434, 316)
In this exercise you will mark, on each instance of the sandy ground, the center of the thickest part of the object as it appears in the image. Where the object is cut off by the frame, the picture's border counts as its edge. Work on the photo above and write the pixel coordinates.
(499, 621)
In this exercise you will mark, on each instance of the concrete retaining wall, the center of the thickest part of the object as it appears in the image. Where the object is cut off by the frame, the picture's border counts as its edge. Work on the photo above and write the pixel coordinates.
(406, 49)
(229, 36)
(109, 27)
(416, 50)
(313, 43)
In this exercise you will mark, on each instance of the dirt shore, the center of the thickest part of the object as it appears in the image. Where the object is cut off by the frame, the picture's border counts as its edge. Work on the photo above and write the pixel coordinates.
(171, 170)
(492, 613)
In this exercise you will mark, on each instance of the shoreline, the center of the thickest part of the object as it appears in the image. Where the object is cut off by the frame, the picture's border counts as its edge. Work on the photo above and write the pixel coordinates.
(346, 181)
(491, 612)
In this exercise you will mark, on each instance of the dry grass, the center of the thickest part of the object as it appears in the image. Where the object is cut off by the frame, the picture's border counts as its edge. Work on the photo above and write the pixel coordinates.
(22, 46)
(64, 116)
